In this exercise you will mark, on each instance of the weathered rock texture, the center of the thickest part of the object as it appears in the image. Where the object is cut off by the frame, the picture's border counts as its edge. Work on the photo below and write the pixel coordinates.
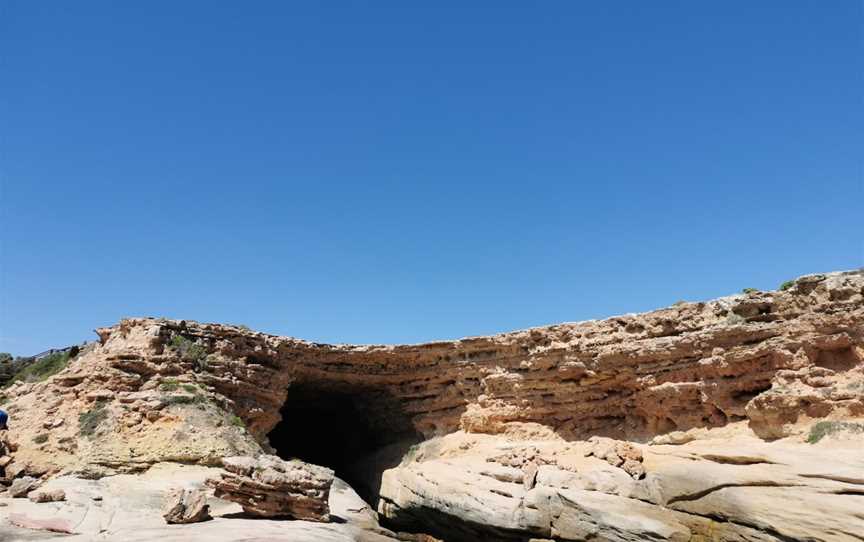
(726, 486)
(271, 488)
(41, 495)
(20, 487)
(127, 508)
(766, 364)
(185, 505)
(7, 448)
(771, 358)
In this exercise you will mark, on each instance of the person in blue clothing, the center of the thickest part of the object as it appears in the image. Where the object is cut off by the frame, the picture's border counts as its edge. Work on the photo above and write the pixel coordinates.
(4, 418)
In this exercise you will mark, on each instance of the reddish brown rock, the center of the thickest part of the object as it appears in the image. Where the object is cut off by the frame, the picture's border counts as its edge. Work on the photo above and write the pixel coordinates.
(270, 487)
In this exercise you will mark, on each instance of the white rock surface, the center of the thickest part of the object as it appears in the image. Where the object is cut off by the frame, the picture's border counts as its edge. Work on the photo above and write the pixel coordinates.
(729, 489)
(129, 510)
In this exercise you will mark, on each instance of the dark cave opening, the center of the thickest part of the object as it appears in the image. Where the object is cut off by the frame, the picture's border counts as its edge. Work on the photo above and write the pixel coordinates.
(359, 433)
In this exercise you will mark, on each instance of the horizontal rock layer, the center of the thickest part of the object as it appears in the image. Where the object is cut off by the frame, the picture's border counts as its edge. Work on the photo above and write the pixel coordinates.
(272, 488)
(517, 426)
(724, 488)
(769, 358)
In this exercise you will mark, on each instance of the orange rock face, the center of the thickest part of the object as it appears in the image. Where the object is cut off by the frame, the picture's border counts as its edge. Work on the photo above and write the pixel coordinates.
(734, 419)
(180, 390)
(272, 488)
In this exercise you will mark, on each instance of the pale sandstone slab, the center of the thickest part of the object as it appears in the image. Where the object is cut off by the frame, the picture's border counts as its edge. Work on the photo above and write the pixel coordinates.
(129, 509)
(724, 489)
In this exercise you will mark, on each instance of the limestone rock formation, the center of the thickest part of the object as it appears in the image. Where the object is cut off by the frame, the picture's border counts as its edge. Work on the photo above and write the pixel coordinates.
(732, 419)
(41, 495)
(270, 487)
(724, 487)
(129, 510)
(185, 505)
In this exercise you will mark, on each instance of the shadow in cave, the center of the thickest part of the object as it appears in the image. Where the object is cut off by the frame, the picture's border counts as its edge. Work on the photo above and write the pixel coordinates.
(357, 432)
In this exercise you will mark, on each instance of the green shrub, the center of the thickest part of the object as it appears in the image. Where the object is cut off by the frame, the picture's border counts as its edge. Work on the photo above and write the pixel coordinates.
(89, 421)
(169, 384)
(190, 351)
(788, 284)
(821, 430)
(196, 396)
(182, 399)
(3, 398)
(40, 439)
(43, 368)
(236, 421)
(749, 290)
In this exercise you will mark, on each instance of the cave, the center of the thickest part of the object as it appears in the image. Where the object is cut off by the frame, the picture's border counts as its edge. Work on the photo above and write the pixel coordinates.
(357, 432)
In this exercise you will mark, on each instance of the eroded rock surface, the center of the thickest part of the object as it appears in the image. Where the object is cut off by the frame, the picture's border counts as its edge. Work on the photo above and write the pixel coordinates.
(185, 505)
(127, 508)
(693, 422)
(727, 487)
(20, 487)
(270, 487)
(41, 495)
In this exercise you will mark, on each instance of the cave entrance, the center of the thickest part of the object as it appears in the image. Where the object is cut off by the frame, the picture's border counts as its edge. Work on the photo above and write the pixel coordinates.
(357, 432)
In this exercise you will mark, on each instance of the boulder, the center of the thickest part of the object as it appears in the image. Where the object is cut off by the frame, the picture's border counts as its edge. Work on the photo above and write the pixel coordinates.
(41, 495)
(185, 506)
(22, 486)
(270, 487)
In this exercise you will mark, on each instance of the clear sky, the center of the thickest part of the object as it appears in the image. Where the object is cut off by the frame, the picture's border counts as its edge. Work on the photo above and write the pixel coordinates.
(407, 171)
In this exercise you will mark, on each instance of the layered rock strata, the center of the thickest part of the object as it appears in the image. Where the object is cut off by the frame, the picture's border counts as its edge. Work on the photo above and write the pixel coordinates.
(724, 487)
(272, 488)
(651, 391)
(770, 358)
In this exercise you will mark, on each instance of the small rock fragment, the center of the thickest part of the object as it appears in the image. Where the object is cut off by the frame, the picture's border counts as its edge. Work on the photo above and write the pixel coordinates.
(185, 506)
(41, 495)
(22, 486)
(623, 455)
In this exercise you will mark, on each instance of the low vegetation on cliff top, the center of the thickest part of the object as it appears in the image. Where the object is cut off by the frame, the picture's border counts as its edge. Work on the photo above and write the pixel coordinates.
(821, 430)
(43, 368)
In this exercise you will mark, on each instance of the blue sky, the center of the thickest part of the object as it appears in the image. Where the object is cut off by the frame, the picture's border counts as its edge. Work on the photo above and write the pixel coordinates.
(405, 171)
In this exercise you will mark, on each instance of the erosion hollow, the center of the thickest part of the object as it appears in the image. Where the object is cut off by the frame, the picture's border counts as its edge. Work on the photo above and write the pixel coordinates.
(357, 432)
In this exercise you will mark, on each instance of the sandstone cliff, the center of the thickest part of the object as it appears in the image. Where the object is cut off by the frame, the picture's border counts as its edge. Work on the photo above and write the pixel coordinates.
(424, 427)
